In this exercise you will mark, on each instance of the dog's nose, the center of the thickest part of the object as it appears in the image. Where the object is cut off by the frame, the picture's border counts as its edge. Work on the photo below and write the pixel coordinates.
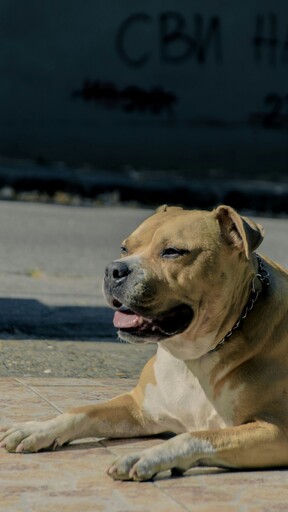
(117, 271)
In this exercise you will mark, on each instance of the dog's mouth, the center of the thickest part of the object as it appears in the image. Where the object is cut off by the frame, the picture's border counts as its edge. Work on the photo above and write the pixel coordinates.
(131, 324)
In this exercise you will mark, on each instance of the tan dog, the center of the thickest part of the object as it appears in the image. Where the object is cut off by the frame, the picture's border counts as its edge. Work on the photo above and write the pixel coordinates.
(190, 281)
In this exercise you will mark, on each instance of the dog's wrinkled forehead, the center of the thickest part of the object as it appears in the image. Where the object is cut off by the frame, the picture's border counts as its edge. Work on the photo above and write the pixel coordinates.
(168, 224)
(202, 229)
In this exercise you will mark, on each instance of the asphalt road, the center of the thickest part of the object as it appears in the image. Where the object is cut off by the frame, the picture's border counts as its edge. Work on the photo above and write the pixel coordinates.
(52, 261)
(54, 319)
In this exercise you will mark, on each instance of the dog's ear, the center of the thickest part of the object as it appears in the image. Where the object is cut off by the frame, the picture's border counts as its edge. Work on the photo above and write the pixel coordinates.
(162, 208)
(239, 232)
(165, 208)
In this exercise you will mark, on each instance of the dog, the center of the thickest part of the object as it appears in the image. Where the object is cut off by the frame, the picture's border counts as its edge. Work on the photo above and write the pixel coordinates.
(191, 282)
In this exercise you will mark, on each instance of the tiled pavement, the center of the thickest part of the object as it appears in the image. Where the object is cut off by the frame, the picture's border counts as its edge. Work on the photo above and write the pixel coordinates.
(74, 478)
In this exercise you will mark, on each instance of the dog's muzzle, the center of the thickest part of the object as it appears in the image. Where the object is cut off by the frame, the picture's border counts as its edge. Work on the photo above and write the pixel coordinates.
(133, 318)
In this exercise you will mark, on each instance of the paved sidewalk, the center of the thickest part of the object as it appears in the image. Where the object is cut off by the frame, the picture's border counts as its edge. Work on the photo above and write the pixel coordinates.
(73, 479)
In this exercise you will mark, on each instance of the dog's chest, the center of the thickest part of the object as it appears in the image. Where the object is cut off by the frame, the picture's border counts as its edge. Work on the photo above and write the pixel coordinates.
(178, 401)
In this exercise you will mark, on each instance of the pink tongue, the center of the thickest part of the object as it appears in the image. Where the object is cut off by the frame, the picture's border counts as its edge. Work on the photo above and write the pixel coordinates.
(123, 320)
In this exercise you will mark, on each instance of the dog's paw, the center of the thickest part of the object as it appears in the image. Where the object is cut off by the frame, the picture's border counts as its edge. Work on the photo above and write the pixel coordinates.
(121, 467)
(175, 454)
(30, 436)
(140, 466)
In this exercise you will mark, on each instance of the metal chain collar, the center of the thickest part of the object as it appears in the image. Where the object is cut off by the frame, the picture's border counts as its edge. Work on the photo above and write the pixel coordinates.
(264, 277)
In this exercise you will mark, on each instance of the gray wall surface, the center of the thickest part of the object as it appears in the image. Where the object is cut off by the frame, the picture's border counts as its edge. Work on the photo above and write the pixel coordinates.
(157, 84)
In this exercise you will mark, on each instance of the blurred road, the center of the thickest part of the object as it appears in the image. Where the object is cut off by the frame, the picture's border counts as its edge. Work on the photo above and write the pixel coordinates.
(52, 260)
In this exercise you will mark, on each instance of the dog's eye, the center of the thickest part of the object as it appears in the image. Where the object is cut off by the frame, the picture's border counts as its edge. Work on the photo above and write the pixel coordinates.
(172, 252)
(123, 250)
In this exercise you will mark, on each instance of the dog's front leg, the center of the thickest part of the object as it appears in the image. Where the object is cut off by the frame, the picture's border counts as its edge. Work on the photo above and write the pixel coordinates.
(253, 445)
(120, 417)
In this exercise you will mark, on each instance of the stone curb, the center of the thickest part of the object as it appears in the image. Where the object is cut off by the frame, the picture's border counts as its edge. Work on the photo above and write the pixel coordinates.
(146, 188)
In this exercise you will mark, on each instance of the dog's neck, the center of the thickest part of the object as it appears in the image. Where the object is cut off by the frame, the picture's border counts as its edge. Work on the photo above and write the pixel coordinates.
(263, 276)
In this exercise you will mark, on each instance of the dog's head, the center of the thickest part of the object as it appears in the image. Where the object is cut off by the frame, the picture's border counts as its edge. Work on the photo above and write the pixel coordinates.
(178, 273)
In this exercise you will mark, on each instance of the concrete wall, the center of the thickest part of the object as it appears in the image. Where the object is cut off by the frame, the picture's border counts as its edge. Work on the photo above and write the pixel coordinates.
(160, 83)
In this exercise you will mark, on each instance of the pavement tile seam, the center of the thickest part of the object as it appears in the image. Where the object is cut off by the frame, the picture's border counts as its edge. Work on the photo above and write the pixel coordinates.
(39, 395)
(171, 497)
(102, 443)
